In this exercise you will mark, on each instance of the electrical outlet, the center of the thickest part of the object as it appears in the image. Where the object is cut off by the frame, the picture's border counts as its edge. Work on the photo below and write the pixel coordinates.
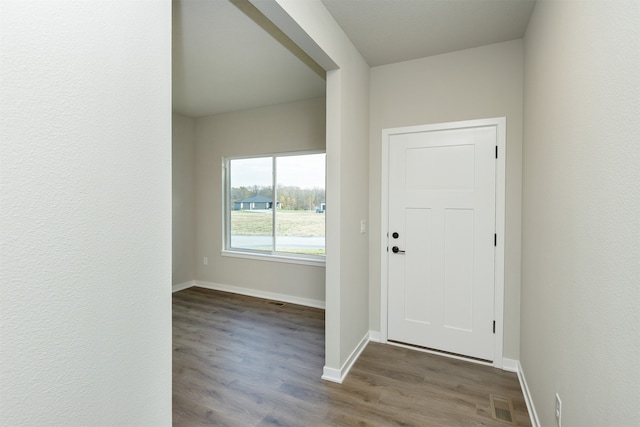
(205, 261)
(363, 226)
(558, 410)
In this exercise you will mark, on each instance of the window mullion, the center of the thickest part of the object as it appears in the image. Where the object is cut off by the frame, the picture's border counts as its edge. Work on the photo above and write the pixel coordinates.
(226, 203)
(273, 204)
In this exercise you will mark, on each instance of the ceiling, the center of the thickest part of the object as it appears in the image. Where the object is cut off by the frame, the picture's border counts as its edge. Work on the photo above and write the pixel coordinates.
(388, 31)
(223, 61)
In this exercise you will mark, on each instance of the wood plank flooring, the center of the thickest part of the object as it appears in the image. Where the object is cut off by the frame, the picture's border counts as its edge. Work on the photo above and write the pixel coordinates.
(242, 361)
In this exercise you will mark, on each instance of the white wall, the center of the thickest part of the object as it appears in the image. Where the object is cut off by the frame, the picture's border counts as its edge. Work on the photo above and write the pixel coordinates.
(85, 218)
(280, 128)
(183, 189)
(309, 24)
(581, 212)
(353, 203)
(470, 84)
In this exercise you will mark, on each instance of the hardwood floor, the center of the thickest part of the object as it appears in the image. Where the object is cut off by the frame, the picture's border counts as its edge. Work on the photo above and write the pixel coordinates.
(242, 361)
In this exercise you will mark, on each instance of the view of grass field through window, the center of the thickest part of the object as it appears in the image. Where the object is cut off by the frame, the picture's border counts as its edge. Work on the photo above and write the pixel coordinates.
(296, 207)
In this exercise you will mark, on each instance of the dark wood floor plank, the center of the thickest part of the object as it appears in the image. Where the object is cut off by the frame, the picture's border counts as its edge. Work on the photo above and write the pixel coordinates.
(242, 361)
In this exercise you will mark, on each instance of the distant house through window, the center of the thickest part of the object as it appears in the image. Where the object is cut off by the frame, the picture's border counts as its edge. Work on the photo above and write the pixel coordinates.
(274, 205)
(254, 202)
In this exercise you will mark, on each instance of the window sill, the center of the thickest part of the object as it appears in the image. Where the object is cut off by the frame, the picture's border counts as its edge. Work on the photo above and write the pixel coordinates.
(274, 258)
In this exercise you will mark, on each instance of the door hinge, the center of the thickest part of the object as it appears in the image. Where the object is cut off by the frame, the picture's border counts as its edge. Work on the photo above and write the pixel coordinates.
(496, 151)
(495, 240)
(494, 326)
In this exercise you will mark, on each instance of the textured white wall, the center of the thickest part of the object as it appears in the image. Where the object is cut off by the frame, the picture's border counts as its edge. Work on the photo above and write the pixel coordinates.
(580, 332)
(470, 84)
(85, 213)
(280, 128)
(183, 218)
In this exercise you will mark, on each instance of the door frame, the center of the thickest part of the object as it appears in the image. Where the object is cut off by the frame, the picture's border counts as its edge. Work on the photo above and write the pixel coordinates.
(501, 126)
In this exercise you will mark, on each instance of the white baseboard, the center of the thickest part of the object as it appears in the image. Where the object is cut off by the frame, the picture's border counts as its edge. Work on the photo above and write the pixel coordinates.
(535, 422)
(261, 294)
(509, 365)
(331, 374)
(182, 286)
(338, 375)
(374, 336)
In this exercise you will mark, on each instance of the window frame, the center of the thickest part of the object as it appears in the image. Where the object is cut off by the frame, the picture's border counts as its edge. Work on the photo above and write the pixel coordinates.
(227, 204)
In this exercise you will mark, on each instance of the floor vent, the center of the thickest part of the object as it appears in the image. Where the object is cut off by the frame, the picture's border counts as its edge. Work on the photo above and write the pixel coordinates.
(502, 409)
(278, 303)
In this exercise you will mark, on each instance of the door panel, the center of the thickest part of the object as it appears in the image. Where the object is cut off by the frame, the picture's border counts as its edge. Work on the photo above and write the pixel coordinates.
(458, 269)
(418, 263)
(442, 204)
(440, 168)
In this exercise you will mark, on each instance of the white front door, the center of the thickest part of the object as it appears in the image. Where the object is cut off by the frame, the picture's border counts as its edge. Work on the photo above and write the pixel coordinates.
(442, 225)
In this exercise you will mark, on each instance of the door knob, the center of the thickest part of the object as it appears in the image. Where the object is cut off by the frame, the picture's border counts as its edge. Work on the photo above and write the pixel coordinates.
(396, 250)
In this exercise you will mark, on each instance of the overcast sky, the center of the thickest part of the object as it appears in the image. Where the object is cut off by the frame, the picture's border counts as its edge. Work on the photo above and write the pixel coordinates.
(297, 171)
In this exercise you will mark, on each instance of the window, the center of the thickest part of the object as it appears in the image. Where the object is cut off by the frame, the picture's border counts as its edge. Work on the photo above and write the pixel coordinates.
(275, 206)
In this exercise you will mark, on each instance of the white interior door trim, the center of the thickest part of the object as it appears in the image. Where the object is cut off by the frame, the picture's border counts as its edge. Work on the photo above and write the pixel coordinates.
(501, 127)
